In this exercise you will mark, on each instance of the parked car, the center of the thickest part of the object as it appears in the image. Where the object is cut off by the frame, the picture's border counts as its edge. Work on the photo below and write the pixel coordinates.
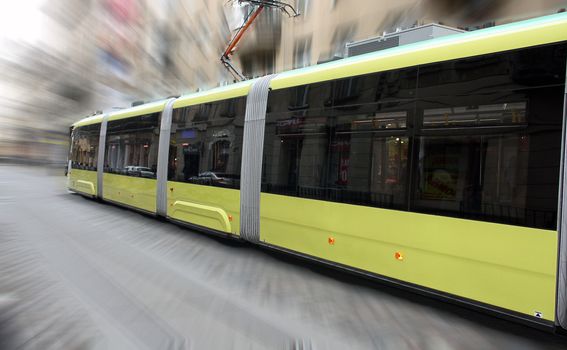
(140, 171)
(216, 179)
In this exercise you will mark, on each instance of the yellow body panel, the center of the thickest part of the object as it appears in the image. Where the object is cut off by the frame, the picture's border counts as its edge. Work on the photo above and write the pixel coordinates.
(220, 93)
(83, 181)
(136, 192)
(208, 206)
(510, 267)
(538, 31)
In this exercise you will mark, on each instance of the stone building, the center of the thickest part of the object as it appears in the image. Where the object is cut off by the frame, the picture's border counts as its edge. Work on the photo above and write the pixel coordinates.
(101, 54)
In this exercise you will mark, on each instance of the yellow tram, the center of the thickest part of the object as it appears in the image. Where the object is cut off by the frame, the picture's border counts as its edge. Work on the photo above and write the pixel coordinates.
(436, 166)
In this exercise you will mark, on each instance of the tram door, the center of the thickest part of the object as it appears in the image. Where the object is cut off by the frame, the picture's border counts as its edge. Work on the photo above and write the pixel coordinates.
(205, 163)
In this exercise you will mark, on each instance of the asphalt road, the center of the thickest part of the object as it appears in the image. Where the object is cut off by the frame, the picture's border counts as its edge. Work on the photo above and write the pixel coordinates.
(79, 274)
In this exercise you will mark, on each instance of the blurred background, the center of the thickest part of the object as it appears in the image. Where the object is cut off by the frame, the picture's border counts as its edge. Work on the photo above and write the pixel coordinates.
(62, 60)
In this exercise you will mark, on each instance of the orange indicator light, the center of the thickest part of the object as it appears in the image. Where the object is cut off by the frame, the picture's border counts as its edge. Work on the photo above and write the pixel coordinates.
(399, 256)
(331, 240)
(230, 218)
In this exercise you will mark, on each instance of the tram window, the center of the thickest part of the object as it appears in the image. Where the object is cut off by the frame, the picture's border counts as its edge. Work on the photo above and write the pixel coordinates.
(305, 97)
(374, 117)
(355, 155)
(507, 175)
(499, 178)
(367, 164)
(132, 146)
(490, 89)
(512, 70)
(485, 174)
(372, 88)
(368, 169)
(493, 114)
(206, 143)
(296, 138)
(295, 152)
(84, 147)
(361, 167)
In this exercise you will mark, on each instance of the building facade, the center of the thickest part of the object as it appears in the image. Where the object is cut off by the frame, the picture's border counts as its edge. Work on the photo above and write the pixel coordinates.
(103, 54)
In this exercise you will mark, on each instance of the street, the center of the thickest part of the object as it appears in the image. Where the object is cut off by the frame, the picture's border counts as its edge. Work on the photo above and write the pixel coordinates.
(79, 274)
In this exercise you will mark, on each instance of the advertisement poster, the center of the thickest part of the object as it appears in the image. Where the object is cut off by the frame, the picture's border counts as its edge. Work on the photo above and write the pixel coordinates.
(441, 172)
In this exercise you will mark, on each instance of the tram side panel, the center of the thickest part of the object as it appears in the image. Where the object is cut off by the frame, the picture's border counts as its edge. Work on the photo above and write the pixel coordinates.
(447, 182)
(130, 161)
(204, 165)
(84, 150)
